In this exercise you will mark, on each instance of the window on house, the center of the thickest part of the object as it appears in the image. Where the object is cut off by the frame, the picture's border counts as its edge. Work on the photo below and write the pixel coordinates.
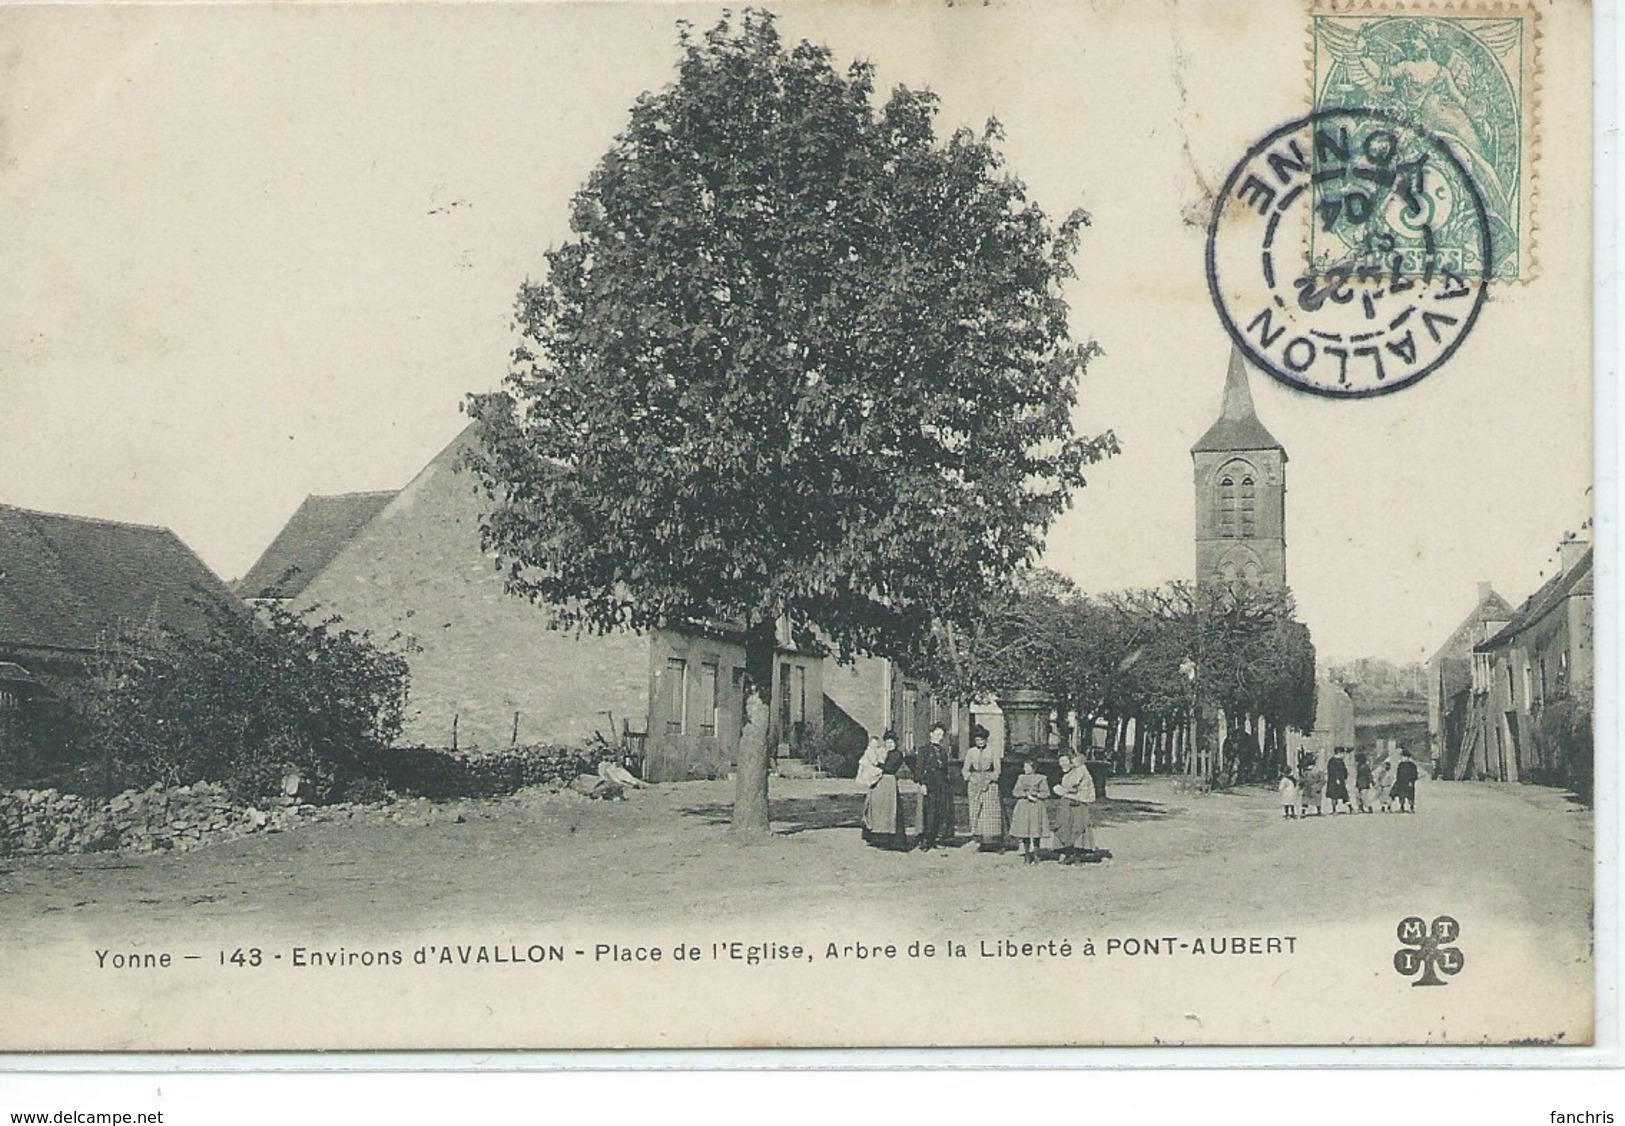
(1528, 686)
(676, 696)
(1512, 688)
(1249, 524)
(710, 701)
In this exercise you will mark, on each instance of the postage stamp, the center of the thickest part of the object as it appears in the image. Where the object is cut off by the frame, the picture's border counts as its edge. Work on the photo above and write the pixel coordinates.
(1465, 75)
(1383, 273)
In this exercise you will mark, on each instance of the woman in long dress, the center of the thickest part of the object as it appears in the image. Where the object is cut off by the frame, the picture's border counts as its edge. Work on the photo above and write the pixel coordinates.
(981, 771)
(1077, 794)
(883, 824)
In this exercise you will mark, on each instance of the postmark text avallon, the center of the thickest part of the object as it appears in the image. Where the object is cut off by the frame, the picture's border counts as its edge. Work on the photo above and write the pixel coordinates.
(1334, 254)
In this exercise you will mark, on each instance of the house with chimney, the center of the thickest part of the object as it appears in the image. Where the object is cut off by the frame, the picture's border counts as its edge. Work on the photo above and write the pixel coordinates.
(492, 669)
(1530, 717)
(1450, 682)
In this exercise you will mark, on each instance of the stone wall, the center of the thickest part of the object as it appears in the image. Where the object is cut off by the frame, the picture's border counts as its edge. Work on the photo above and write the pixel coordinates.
(150, 820)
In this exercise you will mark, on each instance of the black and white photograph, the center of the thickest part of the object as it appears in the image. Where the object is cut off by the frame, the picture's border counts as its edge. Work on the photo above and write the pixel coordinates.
(813, 525)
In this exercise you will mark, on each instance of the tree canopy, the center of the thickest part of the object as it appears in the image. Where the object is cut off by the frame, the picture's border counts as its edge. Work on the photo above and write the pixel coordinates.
(800, 358)
(1118, 657)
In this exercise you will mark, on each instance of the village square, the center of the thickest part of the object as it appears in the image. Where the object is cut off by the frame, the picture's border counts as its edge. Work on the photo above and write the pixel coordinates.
(614, 834)
(788, 599)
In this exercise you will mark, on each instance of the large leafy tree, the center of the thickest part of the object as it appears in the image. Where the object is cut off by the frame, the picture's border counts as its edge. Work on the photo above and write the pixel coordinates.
(800, 360)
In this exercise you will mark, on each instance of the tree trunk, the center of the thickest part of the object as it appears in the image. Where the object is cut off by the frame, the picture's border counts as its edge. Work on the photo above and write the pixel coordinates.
(750, 818)
(749, 821)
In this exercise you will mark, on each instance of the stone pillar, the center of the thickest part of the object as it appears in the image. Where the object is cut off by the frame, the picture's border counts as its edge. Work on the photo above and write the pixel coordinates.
(1026, 717)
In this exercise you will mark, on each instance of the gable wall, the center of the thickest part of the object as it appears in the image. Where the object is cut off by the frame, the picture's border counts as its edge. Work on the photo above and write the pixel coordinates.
(417, 570)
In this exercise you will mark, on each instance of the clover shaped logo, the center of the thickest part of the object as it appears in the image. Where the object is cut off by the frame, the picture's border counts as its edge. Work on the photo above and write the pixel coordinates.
(1428, 950)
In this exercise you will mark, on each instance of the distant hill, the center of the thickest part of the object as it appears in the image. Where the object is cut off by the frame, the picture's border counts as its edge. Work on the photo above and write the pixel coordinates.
(1390, 702)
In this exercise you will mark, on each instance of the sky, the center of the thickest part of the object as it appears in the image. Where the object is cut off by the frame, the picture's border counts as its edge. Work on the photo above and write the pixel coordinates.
(255, 253)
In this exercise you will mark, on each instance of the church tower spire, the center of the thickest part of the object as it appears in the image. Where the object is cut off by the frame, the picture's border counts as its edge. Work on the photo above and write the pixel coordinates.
(1238, 396)
(1240, 477)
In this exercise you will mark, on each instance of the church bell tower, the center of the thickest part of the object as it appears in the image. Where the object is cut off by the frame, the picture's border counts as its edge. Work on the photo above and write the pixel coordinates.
(1240, 474)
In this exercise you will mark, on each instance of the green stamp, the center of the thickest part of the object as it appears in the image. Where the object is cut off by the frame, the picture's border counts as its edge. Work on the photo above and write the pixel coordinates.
(1461, 78)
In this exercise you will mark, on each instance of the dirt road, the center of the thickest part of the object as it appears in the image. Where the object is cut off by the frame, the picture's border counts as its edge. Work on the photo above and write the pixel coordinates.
(1511, 863)
(1522, 853)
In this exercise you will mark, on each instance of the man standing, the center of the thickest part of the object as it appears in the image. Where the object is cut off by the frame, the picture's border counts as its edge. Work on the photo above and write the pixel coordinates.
(932, 771)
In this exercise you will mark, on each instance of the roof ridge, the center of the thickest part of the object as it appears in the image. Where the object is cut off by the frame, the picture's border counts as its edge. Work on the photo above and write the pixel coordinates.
(1545, 598)
(104, 521)
(355, 493)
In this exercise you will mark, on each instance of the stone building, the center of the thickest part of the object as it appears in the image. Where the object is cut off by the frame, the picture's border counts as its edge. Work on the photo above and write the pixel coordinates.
(315, 533)
(1240, 476)
(1530, 716)
(1334, 721)
(488, 668)
(1450, 678)
(873, 695)
(70, 588)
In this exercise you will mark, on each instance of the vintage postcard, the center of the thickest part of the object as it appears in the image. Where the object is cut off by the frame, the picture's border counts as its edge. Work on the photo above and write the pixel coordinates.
(640, 525)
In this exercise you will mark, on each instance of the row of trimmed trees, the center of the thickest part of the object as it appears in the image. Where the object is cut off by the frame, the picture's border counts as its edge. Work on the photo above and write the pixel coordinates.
(1137, 663)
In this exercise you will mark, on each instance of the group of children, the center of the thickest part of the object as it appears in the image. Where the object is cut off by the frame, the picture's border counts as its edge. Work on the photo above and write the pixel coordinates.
(1073, 831)
(1312, 785)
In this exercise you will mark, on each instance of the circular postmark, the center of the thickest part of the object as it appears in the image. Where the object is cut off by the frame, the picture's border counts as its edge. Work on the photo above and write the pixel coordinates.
(1348, 253)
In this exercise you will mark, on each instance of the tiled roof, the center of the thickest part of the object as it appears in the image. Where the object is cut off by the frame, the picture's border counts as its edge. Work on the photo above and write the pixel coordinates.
(1575, 581)
(71, 582)
(317, 532)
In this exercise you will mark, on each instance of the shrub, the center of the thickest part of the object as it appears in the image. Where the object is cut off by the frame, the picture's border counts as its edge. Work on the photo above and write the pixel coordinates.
(244, 702)
(839, 751)
(1567, 746)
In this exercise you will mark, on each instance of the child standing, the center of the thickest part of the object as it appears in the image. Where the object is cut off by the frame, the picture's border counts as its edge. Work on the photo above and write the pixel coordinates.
(1362, 781)
(1030, 821)
(1404, 787)
(1289, 795)
(1313, 790)
(1385, 795)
